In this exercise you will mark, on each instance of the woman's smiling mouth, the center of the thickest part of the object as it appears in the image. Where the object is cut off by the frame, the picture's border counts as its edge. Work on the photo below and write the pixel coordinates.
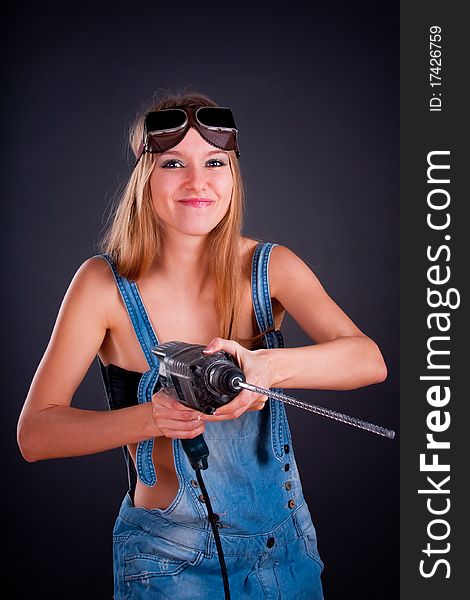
(196, 202)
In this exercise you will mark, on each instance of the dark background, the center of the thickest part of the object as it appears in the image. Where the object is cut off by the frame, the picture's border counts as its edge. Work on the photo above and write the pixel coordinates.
(315, 93)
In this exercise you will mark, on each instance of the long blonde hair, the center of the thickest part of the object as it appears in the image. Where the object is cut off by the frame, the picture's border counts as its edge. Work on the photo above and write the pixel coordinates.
(134, 236)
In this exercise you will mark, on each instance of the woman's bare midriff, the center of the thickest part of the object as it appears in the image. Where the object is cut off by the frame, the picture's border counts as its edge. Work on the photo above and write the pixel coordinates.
(163, 493)
(195, 324)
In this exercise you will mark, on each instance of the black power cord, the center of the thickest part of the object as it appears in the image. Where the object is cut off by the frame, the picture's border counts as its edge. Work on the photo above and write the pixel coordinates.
(198, 452)
(215, 530)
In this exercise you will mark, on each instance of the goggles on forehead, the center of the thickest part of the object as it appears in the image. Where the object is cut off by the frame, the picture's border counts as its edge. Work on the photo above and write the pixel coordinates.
(165, 128)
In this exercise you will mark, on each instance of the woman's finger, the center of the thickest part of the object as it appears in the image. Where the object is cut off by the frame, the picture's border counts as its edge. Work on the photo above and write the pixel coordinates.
(169, 424)
(231, 346)
(257, 406)
(184, 433)
(160, 413)
(162, 399)
(241, 401)
(240, 404)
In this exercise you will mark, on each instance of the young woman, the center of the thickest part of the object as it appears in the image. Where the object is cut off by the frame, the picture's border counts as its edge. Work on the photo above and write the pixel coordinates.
(175, 266)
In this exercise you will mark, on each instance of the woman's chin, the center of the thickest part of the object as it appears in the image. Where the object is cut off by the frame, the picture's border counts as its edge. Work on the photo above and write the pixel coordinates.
(193, 229)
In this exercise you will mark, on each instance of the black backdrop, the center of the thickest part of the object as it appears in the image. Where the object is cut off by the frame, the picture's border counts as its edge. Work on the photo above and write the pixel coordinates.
(315, 92)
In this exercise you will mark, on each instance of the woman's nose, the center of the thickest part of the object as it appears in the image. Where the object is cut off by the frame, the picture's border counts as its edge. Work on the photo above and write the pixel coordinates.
(196, 178)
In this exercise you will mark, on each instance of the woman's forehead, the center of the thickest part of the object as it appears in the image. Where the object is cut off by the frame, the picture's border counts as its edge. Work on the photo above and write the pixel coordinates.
(194, 143)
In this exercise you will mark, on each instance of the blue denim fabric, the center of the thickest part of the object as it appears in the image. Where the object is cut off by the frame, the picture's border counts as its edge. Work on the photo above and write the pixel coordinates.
(156, 557)
(149, 381)
(254, 486)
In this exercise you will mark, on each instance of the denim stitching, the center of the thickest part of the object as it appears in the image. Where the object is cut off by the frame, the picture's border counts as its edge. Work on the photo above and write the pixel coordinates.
(146, 470)
(255, 277)
(287, 435)
(145, 317)
(264, 300)
(277, 421)
(135, 322)
(254, 287)
(180, 493)
(134, 317)
(130, 309)
(260, 286)
(275, 340)
(148, 354)
(259, 276)
(145, 467)
(263, 313)
(177, 460)
(123, 292)
(265, 287)
(144, 462)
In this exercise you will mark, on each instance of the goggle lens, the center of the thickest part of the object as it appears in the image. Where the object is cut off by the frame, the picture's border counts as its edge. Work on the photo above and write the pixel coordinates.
(216, 117)
(164, 120)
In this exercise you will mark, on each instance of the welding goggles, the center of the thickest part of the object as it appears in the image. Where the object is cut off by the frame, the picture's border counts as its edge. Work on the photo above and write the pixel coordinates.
(165, 128)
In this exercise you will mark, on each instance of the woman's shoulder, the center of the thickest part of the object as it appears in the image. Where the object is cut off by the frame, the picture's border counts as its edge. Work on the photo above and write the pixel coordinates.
(284, 264)
(94, 281)
(248, 245)
(95, 270)
(286, 268)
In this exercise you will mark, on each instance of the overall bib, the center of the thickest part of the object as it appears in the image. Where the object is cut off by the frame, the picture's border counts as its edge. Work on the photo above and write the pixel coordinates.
(267, 535)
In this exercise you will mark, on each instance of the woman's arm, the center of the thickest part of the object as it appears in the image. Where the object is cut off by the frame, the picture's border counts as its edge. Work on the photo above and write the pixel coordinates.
(342, 358)
(48, 426)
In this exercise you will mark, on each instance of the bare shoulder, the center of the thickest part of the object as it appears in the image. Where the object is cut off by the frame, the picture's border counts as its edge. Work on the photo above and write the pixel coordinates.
(78, 334)
(286, 269)
(97, 268)
(94, 284)
(297, 288)
(285, 266)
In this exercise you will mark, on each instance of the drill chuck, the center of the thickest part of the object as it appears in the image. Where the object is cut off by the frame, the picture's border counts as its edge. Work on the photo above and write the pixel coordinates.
(223, 378)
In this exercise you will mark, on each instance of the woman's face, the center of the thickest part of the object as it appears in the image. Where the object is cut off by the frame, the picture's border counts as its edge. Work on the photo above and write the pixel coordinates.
(191, 185)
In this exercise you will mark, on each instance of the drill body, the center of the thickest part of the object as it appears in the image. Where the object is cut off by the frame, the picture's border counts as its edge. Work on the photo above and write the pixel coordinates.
(199, 381)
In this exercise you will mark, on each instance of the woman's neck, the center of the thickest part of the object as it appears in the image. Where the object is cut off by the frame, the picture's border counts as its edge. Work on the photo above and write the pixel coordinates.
(183, 262)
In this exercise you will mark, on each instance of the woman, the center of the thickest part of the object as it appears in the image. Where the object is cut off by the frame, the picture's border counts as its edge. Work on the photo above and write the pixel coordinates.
(176, 267)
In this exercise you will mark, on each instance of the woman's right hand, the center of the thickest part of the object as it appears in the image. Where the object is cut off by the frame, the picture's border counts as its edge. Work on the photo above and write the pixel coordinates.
(173, 419)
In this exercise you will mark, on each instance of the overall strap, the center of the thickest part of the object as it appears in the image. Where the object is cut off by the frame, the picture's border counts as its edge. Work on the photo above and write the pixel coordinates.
(147, 340)
(262, 305)
(261, 294)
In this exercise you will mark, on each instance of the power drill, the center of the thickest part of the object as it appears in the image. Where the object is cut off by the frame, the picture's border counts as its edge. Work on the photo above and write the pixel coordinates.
(207, 382)
(198, 381)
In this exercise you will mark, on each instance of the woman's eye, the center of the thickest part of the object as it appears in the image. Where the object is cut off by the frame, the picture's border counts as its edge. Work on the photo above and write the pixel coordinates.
(215, 162)
(171, 164)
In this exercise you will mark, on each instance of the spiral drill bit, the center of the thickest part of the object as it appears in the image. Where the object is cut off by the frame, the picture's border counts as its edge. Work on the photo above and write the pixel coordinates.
(319, 410)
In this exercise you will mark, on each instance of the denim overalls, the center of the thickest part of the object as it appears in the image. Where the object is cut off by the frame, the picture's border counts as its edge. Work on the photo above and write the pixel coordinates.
(267, 535)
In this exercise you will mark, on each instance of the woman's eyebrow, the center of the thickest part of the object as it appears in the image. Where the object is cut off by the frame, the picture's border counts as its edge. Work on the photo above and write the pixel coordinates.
(177, 153)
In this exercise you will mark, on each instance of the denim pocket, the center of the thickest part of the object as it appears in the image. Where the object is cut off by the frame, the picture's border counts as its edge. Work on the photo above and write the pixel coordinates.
(310, 541)
(146, 557)
(142, 567)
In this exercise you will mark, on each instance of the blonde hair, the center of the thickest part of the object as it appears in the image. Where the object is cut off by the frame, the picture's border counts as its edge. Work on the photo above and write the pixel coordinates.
(134, 236)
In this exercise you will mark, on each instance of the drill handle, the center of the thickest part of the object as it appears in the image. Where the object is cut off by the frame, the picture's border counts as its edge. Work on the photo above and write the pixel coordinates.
(197, 451)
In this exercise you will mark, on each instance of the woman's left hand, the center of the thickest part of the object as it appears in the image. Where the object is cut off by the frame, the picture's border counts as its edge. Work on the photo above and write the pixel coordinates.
(257, 370)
